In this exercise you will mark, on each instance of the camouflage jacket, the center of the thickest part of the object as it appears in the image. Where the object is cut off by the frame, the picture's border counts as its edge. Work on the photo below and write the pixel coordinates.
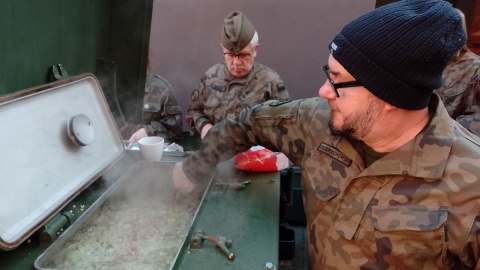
(460, 90)
(162, 116)
(417, 207)
(220, 94)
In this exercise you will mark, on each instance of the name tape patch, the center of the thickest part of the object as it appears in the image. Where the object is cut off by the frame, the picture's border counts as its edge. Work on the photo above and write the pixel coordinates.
(335, 154)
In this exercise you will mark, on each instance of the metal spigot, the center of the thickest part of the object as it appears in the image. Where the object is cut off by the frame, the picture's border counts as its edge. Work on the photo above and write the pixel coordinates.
(220, 241)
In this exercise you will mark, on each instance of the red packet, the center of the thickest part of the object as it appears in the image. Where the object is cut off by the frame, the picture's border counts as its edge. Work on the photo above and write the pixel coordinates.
(260, 159)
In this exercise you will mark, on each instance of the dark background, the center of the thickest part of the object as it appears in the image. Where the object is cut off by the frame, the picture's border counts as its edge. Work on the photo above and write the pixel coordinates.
(107, 37)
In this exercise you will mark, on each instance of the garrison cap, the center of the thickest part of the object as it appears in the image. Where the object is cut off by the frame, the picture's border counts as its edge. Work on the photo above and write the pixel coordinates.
(237, 31)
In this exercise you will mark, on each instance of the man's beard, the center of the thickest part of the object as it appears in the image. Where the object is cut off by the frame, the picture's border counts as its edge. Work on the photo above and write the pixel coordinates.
(347, 133)
(358, 126)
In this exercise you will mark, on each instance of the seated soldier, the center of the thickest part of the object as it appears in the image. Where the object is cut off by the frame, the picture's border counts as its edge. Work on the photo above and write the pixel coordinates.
(162, 116)
(228, 87)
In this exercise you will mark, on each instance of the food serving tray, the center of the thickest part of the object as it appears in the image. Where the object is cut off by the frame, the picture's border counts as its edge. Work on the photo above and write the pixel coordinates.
(140, 222)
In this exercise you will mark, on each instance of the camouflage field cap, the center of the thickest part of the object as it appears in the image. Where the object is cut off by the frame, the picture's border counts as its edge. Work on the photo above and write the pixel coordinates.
(237, 31)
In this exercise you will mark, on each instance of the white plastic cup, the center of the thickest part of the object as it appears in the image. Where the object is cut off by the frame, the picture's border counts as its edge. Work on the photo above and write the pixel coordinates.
(151, 147)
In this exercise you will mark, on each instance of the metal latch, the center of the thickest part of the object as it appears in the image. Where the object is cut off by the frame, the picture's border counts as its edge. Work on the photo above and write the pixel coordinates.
(57, 72)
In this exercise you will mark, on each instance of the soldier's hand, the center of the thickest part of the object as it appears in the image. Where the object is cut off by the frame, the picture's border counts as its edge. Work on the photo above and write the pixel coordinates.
(205, 129)
(141, 133)
(180, 180)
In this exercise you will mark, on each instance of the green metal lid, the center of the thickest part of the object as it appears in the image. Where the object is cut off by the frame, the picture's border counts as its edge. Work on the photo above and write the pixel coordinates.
(55, 141)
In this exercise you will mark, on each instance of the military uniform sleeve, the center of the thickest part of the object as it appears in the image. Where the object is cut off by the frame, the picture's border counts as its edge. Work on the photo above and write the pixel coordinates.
(279, 126)
(195, 117)
(167, 122)
(469, 115)
(474, 242)
(162, 116)
(460, 91)
(279, 90)
(470, 122)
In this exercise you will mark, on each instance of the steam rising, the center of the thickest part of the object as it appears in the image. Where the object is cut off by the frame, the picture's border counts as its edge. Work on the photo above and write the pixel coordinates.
(140, 224)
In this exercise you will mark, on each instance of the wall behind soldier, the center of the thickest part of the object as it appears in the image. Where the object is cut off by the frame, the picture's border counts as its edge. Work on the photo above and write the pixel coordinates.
(293, 38)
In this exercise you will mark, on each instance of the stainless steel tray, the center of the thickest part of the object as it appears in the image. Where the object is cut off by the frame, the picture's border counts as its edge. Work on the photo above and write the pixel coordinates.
(140, 222)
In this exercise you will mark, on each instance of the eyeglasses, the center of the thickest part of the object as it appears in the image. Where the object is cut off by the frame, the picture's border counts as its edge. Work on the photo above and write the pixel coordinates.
(337, 86)
(240, 56)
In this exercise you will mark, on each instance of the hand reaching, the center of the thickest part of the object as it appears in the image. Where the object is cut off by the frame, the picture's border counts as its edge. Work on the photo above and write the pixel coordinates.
(141, 133)
(180, 180)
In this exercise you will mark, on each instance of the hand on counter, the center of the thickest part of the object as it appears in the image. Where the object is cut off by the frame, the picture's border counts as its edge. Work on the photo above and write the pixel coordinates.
(141, 133)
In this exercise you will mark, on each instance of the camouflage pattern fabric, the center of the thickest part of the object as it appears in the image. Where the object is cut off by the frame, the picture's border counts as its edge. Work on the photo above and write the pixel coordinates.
(460, 90)
(417, 207)
(220, 94)
(162, 116)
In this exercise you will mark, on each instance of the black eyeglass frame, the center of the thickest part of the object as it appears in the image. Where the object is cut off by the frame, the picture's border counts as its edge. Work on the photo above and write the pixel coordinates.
(339, 85)
(240, 56)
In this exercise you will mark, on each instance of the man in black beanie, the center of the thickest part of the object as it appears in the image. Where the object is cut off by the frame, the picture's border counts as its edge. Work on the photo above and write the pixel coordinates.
(389, 180)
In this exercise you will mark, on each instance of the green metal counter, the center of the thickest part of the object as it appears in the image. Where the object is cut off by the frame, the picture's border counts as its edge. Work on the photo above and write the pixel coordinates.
(248, 217)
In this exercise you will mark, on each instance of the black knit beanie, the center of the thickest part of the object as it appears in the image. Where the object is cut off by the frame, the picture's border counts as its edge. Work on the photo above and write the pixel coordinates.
(399, 51)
